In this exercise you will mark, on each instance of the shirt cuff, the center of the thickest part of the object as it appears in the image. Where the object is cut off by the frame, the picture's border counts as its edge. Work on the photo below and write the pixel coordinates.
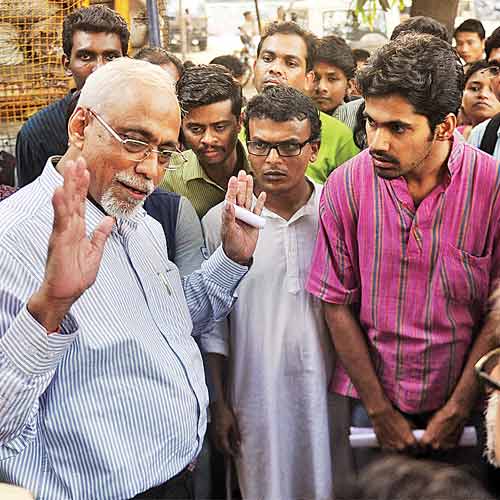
(223, 271)
(28, 347)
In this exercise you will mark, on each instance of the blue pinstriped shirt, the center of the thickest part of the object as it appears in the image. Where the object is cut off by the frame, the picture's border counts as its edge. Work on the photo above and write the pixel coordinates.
(115, 403)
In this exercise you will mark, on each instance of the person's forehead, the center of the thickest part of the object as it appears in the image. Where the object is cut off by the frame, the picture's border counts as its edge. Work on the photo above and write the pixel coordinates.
(270, 130)
(478, 76)
(286, 45)
(327, 67)
(211, 113)
(100, 40)
(392, 108)
(467, 35)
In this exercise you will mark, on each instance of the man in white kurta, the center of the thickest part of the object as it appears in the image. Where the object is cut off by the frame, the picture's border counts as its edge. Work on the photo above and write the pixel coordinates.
(276, 340)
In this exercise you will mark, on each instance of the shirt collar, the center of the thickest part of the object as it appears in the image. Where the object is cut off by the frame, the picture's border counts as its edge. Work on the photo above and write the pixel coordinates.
(310, 208)
(52, 179)
(193, 170)
(456, 153)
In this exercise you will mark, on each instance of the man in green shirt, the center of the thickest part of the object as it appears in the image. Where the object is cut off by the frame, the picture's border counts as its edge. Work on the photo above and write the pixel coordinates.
(285, 56)
(210, 100)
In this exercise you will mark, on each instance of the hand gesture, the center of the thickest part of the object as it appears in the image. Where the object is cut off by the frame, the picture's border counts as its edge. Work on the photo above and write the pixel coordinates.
(226, 434)
(238, 238)
(73, 259)
(394, 432)
(445, 428)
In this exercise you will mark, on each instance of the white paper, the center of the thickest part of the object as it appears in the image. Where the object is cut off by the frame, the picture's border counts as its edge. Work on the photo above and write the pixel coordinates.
(364, 437)
(248, 217)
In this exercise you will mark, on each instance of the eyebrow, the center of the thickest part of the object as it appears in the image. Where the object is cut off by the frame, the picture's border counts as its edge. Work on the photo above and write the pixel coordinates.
(290, 139)
(390, 122)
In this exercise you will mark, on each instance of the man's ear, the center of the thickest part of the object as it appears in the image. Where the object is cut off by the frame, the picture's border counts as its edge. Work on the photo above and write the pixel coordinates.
(65, 63)
(309, 85)
(314, 151)
(76, 127)
(444, 130)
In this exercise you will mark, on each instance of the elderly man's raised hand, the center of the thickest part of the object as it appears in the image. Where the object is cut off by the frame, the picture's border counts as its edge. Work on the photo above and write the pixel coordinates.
(238, 238)
(73, 259)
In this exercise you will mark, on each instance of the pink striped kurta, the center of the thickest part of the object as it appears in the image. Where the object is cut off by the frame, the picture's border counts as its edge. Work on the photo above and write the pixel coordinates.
(420, 278)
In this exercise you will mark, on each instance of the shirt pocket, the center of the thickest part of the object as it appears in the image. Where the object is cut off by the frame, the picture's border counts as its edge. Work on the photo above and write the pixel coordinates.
(464, 277)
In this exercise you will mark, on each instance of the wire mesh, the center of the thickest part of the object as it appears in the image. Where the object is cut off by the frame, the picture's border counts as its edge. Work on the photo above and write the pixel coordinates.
(31, 73)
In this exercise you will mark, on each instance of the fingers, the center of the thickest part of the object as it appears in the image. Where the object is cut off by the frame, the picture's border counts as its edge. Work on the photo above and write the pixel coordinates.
(261, 200)
(232, 190)
(101, 234)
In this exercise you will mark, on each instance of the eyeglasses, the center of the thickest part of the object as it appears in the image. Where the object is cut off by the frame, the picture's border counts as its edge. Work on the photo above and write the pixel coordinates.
(491, 72)
(485, 366)
(285, 149)
(168, 159)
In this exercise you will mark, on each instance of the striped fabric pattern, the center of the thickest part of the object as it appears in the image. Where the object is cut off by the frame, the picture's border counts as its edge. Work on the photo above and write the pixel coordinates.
(419, 276)
(116, 402)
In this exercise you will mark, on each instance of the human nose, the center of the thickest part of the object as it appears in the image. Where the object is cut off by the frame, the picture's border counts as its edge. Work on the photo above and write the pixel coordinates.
(276, 67)
(97, 63)
(149, 166)
(208, 137)
(273, 154)
(379, 140)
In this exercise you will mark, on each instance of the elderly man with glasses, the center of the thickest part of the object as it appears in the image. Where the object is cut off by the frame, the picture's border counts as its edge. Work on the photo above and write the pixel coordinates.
(102, 393)
(271, 414)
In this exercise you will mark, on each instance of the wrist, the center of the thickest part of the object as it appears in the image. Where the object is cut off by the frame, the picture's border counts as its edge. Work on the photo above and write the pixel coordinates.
(47, 311)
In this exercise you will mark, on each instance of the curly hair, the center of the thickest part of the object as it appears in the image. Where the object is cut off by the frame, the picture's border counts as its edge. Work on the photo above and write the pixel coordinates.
(282, 104)
(334, 50)
(94, 19)
(419, 67)
(205, 84)
(291, 28)
(422, 24)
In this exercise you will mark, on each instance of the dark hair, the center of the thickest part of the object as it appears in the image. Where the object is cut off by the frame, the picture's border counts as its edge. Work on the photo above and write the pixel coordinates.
(281, 104)
(360, 55)
(232, 63)
(334, 50)
(94, 19)
(422, 24)
(471, 26)
(207, 84)
(477, 66)
(157, 55)
(410, 479)
(291, 28)
(73, 102)
(420, 68)
(492, 42)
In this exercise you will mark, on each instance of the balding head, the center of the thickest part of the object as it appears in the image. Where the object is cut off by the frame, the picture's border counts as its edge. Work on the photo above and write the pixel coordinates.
(111, 82)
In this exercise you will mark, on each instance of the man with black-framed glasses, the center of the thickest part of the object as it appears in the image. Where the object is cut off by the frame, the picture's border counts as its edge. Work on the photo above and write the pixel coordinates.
(271, 413)
(99, 368)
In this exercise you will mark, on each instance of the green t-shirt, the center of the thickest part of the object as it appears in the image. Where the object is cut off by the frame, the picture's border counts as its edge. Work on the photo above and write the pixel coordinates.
(337, 146)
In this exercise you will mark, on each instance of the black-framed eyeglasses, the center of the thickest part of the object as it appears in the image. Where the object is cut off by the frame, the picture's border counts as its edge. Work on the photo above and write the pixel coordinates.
(168, 159)
(285, 149)
(485, 366)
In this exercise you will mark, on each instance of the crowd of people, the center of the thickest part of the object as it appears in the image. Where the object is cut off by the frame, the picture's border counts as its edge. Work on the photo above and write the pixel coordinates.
(137, 309)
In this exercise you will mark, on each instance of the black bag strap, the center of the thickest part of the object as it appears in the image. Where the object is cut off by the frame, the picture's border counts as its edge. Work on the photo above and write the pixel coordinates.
(490, 136)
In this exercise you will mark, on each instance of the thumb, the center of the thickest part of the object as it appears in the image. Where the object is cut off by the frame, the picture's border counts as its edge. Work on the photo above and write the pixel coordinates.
(101, 234)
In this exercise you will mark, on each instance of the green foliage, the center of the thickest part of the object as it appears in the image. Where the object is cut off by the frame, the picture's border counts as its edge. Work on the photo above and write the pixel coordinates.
(367, 9)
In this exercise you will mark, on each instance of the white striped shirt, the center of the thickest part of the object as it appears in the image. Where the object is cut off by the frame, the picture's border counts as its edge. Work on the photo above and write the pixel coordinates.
(116, 403)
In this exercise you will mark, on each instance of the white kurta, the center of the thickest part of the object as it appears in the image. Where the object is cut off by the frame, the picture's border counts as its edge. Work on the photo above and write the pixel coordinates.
(279, 353)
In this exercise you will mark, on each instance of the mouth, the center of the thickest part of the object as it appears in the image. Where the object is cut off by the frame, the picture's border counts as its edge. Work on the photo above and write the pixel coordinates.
(482, 105)
(383, 164)
(274, 175)
(272, 81)
(134, 192)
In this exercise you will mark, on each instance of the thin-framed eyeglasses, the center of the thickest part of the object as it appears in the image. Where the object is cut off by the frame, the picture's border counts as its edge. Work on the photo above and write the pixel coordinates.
(491, 72)
(485, 366)
(168, 159)
(285, 149)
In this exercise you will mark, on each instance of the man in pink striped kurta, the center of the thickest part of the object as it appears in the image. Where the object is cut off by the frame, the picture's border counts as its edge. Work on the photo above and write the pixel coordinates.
(408, 252)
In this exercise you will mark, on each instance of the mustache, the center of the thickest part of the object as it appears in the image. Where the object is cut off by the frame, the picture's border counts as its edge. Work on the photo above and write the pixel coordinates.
(211, 148)
(145, 185)
(381, 156)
